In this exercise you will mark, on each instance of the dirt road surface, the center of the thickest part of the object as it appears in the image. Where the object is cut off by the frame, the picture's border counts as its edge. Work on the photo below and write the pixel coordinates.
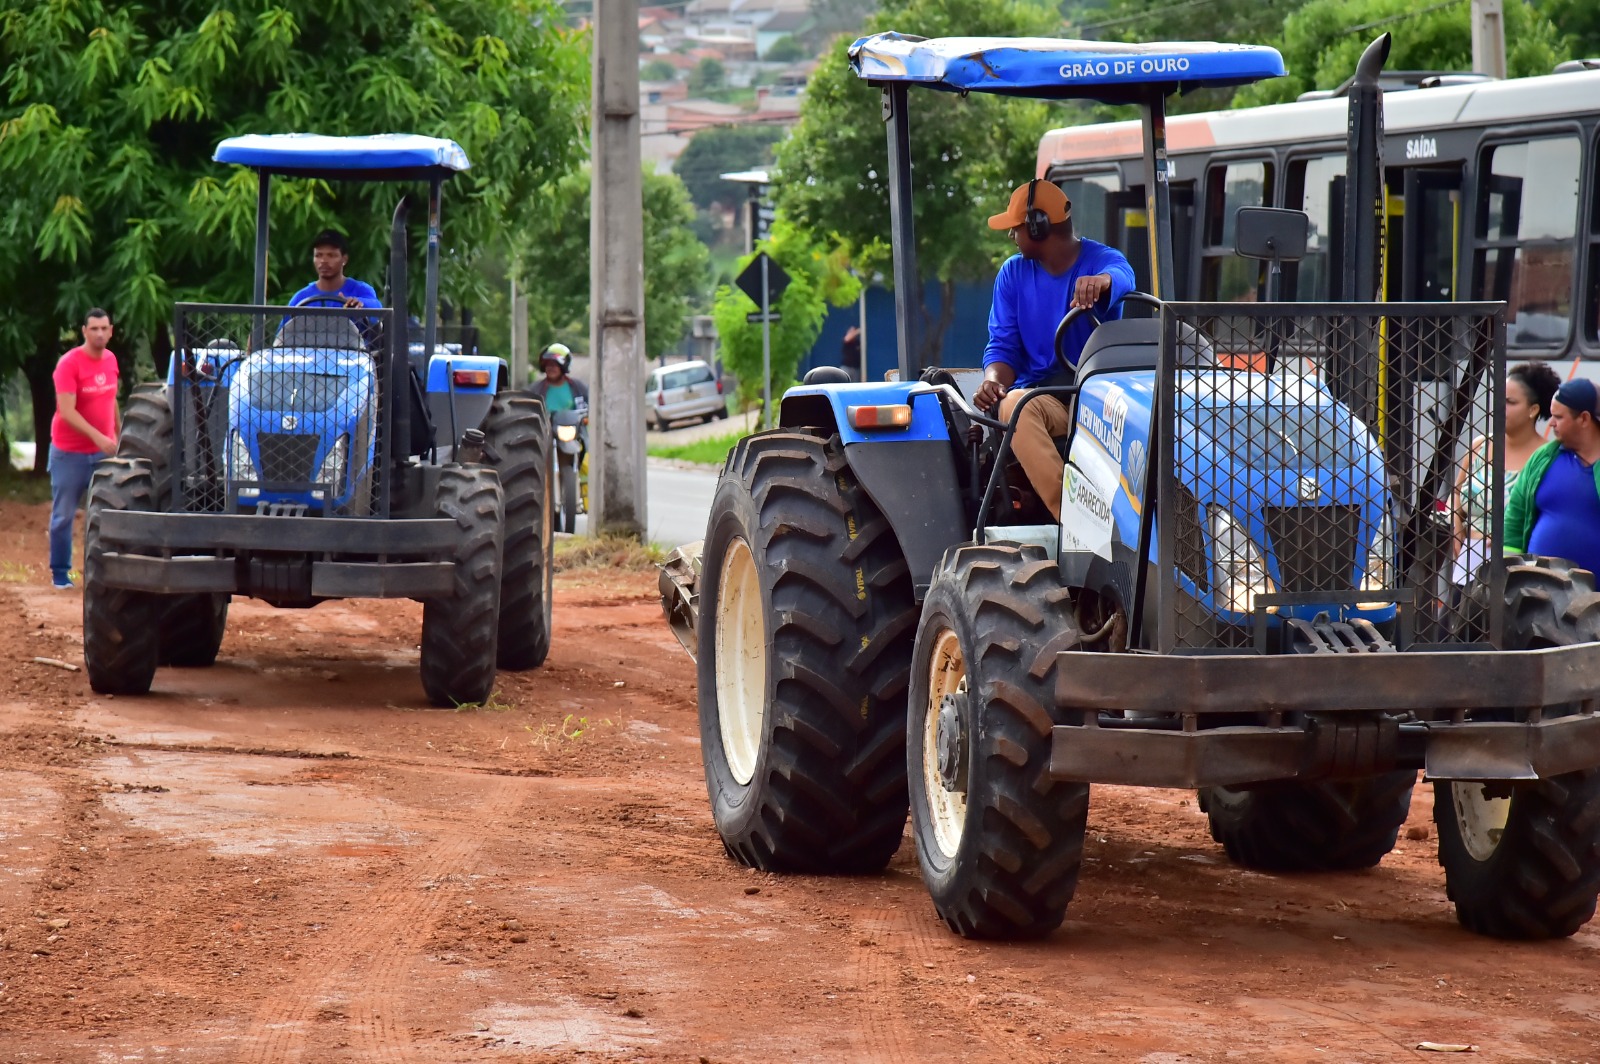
(288, 857)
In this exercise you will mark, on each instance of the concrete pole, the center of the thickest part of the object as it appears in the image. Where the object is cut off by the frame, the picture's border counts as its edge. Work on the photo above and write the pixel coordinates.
(519, 338)
(616, 274)
(861, 311)
(1489, 37)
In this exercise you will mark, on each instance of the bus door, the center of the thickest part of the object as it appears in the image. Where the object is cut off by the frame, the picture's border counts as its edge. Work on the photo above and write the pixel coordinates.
(1430, 236)
(1128, 230)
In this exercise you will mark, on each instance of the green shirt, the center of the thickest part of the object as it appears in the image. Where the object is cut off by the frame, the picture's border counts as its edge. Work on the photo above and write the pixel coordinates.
(558, 397)
(1521, 511)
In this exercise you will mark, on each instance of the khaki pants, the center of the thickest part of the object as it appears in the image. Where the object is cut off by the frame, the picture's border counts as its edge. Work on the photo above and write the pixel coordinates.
(1034, 444)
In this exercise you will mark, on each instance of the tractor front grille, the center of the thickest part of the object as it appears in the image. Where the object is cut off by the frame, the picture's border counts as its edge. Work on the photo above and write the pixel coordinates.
(1315, 546)
(286, 458)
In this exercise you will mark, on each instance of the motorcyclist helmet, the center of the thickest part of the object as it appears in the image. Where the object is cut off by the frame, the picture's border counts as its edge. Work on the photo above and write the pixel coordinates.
(558, 353)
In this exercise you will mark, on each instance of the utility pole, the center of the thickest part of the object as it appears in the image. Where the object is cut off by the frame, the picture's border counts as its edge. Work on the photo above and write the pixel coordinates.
(519, 337)
(616, 273)
(1489, 37)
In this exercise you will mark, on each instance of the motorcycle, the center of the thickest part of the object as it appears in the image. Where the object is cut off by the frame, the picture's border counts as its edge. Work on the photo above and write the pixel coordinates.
(571, 428)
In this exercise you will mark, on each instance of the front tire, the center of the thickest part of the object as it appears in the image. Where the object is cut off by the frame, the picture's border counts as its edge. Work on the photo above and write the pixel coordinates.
(192, 627)
(807, 618)
(459, 633)
(121, 636)
(1522, 860)
(569, 499)
(517, 434)
(999, 842)
(1322, 826)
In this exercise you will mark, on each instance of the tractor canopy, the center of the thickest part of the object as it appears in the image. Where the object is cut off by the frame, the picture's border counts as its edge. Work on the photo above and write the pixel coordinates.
(1048, 68)
(383, 157)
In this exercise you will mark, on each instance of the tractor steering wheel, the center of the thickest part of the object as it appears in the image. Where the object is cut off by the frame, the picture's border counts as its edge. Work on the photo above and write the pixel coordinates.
(323, 300)
(1073, 314)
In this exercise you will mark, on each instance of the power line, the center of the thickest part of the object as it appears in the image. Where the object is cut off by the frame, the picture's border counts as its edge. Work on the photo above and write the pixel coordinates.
(1403, 16)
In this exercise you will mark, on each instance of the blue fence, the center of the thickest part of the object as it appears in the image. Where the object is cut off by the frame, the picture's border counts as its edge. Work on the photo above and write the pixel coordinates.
(963, 340)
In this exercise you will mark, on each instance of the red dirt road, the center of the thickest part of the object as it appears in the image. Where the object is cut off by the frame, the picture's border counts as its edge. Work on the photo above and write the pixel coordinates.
(288, 857)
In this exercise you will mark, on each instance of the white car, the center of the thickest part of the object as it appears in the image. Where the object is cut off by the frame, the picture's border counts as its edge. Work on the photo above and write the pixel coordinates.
(683, 390)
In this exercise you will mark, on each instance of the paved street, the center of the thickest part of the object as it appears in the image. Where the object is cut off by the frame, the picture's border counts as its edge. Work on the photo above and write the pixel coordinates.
(677, 502)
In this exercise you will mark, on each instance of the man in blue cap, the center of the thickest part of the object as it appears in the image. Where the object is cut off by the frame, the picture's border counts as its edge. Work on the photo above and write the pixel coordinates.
(1554, 507)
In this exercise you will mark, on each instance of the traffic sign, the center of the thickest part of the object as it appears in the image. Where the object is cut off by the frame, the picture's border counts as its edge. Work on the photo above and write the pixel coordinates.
(749, 281)
(757, 318)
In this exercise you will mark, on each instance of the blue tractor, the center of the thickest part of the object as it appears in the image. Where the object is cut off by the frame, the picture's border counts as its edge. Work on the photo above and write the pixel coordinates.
(321, 452)
(1241, 596)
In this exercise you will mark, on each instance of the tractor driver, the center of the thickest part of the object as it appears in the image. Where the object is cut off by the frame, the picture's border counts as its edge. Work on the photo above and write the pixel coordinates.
(1054, 269)
(330, 254)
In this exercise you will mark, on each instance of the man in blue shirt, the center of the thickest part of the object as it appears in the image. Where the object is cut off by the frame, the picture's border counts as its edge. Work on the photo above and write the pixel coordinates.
(330, 254)
(1054, 270)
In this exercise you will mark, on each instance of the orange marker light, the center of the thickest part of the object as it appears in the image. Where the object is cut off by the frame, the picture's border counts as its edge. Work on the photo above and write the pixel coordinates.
(471, 378)
(893, 416)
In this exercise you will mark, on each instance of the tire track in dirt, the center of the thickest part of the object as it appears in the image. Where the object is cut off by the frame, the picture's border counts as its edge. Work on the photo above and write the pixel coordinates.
(364, 962)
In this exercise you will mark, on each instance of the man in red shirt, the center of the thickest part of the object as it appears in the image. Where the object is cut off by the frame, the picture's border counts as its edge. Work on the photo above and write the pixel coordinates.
(83, 431)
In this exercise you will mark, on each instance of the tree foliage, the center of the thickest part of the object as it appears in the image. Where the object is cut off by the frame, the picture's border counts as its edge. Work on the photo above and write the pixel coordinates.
(967, 153)
(817, 276)
(1233, 21)
(1323, 40)
(708, 75)
(1580, 21)
(658, 70)
(785, 50)
(553, 263)
(110, 112)
(723, 150)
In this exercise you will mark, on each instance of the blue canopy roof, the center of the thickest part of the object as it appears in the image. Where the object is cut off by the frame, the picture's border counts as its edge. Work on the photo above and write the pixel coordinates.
(395, 156)
(1039, 66)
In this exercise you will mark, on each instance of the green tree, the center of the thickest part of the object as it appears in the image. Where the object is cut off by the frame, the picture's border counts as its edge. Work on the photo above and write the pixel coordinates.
(723, 150)
(967, 154)
(708, 76)
(1233, 21)
(553, 263)
(817, 277)
(658, 70)
(1323, 40)
(109, 114)
(1580, 21)
(785, 50)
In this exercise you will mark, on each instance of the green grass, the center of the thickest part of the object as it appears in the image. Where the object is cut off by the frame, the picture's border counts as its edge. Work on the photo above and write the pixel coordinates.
(707, 452)
(606, 552)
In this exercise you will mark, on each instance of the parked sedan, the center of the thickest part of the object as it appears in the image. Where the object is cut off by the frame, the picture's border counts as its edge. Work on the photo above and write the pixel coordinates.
(684, 390)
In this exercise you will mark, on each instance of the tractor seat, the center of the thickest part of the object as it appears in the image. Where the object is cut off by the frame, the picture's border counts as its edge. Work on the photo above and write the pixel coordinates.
(325, 331)
(1135, 343)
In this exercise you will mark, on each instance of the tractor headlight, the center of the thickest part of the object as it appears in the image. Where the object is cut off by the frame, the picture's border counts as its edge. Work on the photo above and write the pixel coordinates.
(332, 469)
(243, 467)
(566, 433)
(1240, 568)
(1381, 558)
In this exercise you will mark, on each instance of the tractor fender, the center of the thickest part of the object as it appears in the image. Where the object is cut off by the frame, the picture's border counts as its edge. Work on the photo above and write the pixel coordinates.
(477, 378)
(910, 473)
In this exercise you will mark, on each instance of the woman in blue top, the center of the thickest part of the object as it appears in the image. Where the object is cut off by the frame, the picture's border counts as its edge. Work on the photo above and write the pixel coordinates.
(1555, 508)
(1054, 270)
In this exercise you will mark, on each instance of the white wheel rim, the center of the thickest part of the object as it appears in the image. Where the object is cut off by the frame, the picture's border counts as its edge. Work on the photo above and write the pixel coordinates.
(741, 648)
(1480, 820)
(947, 810)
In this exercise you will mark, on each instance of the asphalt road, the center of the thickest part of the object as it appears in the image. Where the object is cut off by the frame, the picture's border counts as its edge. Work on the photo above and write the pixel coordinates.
(677, 502)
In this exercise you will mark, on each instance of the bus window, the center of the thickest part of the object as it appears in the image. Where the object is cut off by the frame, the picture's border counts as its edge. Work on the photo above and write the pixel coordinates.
(1527, 219)
(1312, 184)
(1591, 309)
(1088, 195)
(1224, 276)
(1130, 234)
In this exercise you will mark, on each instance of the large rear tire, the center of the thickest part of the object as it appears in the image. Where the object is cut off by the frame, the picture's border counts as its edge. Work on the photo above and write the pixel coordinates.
(121, 638)
(1522, 860)
(517, 433)
(1000, 843)
(1322, 826)
(459, 633)
(806, 623)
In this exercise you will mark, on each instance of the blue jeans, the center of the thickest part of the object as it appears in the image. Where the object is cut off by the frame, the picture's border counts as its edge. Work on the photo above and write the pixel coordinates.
(69, 479)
